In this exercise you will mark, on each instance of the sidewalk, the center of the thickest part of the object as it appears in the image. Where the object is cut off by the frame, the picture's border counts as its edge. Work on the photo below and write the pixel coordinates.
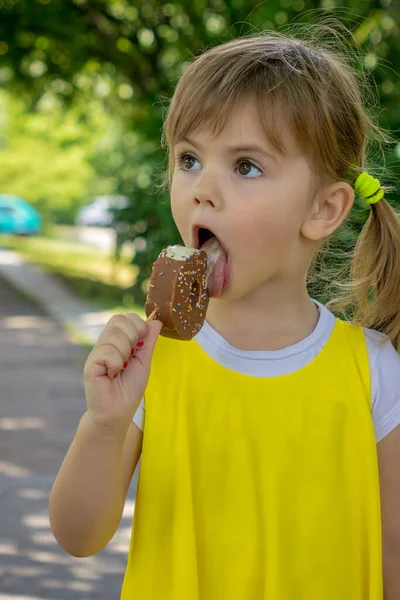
(41, 402)
(70, 312)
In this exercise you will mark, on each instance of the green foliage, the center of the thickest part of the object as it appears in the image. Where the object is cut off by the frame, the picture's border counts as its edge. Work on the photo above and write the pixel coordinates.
(43, 159)
(128, 57)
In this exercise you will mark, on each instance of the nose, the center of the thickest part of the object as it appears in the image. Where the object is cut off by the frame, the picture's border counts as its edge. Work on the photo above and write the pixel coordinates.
(207, 191)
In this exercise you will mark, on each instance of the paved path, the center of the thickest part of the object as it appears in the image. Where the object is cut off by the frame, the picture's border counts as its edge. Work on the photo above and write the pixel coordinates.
(41, 402)
(68, 310)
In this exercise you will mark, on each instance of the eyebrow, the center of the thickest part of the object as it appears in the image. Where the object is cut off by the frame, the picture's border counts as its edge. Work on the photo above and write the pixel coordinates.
(252, 148)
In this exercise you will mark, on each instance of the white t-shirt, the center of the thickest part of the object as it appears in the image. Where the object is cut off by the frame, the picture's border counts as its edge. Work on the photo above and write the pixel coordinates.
(384, 365)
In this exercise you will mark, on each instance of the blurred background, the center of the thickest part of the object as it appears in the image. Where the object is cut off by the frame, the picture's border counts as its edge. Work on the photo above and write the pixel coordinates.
(85, 85)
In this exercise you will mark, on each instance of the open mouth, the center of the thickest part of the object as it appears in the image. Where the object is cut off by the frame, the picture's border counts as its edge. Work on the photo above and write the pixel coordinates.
(201, 235)
(204, 236)
(218, 269)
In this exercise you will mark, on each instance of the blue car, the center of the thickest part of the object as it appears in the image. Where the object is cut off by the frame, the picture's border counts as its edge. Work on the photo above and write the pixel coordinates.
(17, 217)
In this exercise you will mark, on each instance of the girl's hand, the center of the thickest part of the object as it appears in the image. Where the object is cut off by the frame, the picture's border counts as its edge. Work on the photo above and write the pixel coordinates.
(118, 368)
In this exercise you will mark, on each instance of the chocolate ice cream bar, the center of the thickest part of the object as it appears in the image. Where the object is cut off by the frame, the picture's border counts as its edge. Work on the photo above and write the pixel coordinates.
(178, 291)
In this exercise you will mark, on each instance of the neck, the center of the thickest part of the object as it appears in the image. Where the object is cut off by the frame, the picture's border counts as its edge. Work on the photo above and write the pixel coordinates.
(267, 321)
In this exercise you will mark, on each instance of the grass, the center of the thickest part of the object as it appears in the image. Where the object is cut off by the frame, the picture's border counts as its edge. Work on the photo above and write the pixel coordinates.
(74, 259)
(93, 274)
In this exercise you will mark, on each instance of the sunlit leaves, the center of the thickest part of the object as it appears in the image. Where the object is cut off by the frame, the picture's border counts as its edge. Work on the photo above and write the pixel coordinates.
(124, 45)
(215, 23)
(146, 37)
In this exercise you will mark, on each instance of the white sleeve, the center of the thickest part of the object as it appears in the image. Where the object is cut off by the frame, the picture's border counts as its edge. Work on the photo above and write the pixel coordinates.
(138, 417)
(385, 383)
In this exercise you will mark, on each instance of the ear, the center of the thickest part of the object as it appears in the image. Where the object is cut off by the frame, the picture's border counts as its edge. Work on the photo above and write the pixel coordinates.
(329, 209)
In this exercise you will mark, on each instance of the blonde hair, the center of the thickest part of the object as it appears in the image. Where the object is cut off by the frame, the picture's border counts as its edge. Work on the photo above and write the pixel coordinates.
(318, 93)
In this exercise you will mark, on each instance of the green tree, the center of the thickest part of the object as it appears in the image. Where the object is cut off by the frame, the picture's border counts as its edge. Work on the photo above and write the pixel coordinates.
(43, 159)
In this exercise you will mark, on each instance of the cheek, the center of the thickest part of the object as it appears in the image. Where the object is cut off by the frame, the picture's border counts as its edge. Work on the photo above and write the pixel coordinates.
(264, 229)
(178, 207)
(174, 197)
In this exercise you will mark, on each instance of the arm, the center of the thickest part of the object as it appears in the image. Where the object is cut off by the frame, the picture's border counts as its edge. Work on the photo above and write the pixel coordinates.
(389, 475)
(88, 497)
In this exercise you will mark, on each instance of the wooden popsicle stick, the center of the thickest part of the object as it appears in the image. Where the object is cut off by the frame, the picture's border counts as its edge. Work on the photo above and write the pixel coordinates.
(152, 315)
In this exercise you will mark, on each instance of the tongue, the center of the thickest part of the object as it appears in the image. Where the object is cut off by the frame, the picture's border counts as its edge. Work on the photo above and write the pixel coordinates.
(216, 266)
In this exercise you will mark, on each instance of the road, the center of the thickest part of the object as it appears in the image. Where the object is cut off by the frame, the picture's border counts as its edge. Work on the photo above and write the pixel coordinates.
(41, 402)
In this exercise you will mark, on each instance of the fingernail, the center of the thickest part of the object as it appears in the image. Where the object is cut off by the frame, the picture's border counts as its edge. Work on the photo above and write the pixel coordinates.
(125, 365)
(140, 344)
(132, 351)
(115, 376)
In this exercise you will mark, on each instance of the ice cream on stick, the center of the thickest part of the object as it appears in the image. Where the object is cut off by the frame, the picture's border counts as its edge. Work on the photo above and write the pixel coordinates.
(152, 315)
(178, 295)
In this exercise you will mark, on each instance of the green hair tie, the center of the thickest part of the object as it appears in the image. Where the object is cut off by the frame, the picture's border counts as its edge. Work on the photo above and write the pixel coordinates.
(369, 188)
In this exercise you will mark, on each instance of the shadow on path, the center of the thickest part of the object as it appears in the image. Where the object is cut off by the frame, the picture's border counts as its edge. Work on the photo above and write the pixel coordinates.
(41, 402)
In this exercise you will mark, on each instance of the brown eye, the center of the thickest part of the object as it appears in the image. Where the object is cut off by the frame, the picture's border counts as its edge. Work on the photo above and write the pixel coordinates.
(244, 167)
(187, 161)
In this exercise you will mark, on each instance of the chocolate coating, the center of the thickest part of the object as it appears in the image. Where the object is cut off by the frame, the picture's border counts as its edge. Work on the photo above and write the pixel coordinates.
(178, 289)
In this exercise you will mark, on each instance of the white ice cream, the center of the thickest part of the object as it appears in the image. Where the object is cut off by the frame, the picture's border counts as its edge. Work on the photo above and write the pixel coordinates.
(179, 252)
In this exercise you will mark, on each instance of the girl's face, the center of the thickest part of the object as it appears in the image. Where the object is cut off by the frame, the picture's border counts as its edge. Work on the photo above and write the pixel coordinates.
(253, 199)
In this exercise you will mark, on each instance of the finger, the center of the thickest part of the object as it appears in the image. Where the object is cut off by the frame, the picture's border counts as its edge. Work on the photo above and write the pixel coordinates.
(104, 360)
(132, 328)
(114, 336)
(146, 351)
(140, 324)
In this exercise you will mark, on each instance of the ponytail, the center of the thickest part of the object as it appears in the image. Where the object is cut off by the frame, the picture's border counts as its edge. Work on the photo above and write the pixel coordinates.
(375, 275)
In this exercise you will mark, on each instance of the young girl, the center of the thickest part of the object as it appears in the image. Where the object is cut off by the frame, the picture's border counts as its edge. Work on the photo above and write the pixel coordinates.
(270, 446)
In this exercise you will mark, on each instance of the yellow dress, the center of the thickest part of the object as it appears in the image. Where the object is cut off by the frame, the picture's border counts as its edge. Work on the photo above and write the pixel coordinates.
(258, 488)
